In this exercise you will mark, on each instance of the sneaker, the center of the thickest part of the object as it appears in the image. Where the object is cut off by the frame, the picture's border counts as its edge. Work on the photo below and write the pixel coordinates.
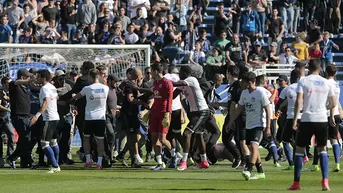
(158, 167)
(122, 161)
(268, 157)
(325, 185)
(88, 164)
(190, 161)
(135, 165)
(115, 153)
(337, 168)
(289, 168)
(258, 176)
(148, 157)
(295, 186)
(182, 166)
(54, 170)
(305, 159)
(172, 163)
(312, 168)
(236, 163)
(205, 14)
(11, 163)
(203, 165)
(98, 166)
(139, 160)
(246, 175)
(277, 165)
(2, 162)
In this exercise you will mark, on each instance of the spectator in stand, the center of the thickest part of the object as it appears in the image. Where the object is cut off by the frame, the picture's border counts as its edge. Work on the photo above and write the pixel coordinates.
(86, 13)
(179, 12)
(130, 36)
(142, 35)
(247, 47)
(139, 20)
(276, 29)
(260, 7)
(50, 36)
(205, 43)
(170, 38)
(64, 39)
(40, 24)
(236, 16)
(235, 53)
(107, 3)
(250, 22)
(27, 17)
(106, 18)
(160, 8)
(50, 12)
(287, 15)
(157, 40)
(33, 7)
(309, 8)
(314, 33)
(15, 18)
(91, 34)
(326, 47)
(116, 37)
(5, 31)
(273, 56)
(197, 56)
(297, 7)
(334, 15)
(288, 58)
(221, 20)
(258, 56)
(163, 23)
(321, 14)
(68, 18)
(42, 4)
(315, 52)
(221, 43)
(189, 37)
(215, 58)
(104, 34)
(300, 47)
(143, 4)
(196, 19)
(122, 18)
(28, 37)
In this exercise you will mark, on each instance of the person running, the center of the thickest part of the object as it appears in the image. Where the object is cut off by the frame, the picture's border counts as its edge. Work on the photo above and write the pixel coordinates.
(48, 109)
(257, 107)
(96, 97)
(199, 114)
(313, 92)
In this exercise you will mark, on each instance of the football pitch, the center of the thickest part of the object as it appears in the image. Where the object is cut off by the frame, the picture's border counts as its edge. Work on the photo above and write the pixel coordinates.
(218, 178)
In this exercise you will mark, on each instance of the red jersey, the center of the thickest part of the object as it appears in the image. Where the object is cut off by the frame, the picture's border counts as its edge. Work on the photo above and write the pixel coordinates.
(163, 96)
(316, 54)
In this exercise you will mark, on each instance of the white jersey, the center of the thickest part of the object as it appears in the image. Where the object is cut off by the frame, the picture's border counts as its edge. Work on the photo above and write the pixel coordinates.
(271, 105)
(96, 96)
(194, 95)
(254, 104)
(49, 92)
(176, 102)
(337, 91)
(290, 94)
(316, 90)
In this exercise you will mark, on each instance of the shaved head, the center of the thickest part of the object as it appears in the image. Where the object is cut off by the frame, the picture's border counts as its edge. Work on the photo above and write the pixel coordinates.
(136, 74)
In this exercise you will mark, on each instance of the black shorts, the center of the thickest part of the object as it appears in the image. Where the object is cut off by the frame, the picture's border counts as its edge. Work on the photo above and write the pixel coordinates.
(131, 123)
(307, 129)
(95, 127)
(333, 131)
(197, 121)
(289, 133)
(254, 135)
(240, 126)
(49, 131)
(175, 123)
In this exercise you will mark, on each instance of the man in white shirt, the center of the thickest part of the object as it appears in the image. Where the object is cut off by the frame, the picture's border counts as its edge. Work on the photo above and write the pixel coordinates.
(130, 36)
(143, 4)
(199, 114)
(96, 96)
(48, 101)
(316, 95)
(257, 107)
(288, 95)
(287, 58)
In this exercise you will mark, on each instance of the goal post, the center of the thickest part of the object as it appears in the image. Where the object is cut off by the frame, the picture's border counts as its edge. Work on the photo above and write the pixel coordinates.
(117, 58)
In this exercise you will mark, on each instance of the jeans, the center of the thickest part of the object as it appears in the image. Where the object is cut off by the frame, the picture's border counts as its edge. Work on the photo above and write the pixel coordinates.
(7, 127)
(325, 62)
(15, 33)
(64, 139)
(262, 16)
(287, 15)
(71, 29)
(23, 150)
(309, 14)
(170, 52)
(296, 19)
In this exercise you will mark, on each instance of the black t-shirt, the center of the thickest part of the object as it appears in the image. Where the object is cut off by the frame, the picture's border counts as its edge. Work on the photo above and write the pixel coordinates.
(275, 27)
(63, 109)
(234, 94)
(50, 13)
(271, 60)
(236, 51)
(261, 56)
(128, 108)
(314, 35)
(167, 39)
(19, 99)
(4, 103)
(111, 100)
(141, 21)
(220, 24)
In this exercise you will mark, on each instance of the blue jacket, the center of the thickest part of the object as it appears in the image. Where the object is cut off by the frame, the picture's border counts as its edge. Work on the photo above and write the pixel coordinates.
(250, 21)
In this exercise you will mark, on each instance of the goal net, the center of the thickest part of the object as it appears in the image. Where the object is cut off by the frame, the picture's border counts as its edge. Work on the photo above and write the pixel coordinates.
(117, 58)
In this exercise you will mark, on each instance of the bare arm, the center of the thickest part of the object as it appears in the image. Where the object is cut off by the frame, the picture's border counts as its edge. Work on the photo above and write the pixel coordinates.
(2, 108)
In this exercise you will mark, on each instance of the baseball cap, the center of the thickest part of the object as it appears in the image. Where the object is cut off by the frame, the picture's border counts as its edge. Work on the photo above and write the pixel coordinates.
(282, 78)
(59, 73)
(23, 72)
(258, 43)
(73, 73)
(274, 44)
(113, 77)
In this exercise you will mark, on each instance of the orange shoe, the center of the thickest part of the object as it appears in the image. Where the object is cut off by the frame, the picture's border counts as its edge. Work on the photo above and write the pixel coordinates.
(325, 185)
(98, 166)
(295, 186)
(203, 164)
(182, 166)
(88, 164)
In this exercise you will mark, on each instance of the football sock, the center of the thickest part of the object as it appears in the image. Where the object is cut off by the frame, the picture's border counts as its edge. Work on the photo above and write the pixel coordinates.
(203, 157)
(259, 167)
(324, 164)
(315, 156)
(185, 157)
(250, 167)
(50, 155)
(88, 158)
(159, 159)
(336, 153)
(298, 165)
(100, 161)
(273, 150)
(289, 153)
(56, 150)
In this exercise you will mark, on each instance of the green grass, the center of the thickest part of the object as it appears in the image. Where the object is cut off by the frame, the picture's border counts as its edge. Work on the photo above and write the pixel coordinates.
(218, 178)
